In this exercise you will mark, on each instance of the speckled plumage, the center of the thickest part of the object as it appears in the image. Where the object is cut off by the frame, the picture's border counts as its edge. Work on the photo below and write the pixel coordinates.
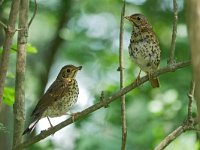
(58, 99)
(68, 99)
(144, 47)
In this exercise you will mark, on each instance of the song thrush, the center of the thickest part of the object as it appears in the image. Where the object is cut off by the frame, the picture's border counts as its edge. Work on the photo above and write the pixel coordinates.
(144, 47)
(58, 99)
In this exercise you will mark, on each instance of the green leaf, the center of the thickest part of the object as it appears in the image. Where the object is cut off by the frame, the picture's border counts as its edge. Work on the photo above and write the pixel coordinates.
(10, 75)
(31, 49)
(8, 96)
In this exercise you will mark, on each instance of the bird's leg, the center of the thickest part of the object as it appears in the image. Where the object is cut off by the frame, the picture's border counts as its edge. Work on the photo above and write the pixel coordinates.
(49, 122)
(137, 80)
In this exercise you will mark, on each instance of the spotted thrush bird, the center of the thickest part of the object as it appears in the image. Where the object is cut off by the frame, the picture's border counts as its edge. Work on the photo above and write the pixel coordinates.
(144, 47)
(58, 99)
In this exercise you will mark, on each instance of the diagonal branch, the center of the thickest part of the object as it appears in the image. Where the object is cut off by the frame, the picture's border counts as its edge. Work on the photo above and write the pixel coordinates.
(101, 104)
(121, 69)
(187, 125)
(171, 59)
(172, 136)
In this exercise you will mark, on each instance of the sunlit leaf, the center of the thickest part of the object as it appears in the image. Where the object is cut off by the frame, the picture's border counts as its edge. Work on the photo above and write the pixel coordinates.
(29, 48)
(8, 96)
(10, 75)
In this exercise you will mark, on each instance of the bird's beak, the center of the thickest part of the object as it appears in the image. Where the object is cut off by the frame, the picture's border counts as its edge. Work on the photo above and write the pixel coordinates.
(79, 68)
(127, 17)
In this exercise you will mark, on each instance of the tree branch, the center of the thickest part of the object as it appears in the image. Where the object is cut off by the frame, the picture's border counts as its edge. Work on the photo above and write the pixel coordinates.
(172, 136)
(189, 124)
(121, 69)
(34, 13)
(171, 59)
(18, 107)
(104, 102)
(10, 30)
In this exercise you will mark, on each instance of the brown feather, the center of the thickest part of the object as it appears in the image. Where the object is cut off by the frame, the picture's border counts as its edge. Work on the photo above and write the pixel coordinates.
(54, 93)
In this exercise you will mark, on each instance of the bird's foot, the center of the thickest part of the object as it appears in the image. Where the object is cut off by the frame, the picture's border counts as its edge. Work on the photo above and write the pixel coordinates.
(137, 80)
(73, 115)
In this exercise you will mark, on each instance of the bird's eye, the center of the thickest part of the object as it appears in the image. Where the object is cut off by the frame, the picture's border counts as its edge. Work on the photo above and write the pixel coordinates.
(138, 18)
(68, 70)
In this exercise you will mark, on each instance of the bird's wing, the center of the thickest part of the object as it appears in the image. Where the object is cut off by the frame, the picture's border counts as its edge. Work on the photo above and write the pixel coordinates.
(54, 93)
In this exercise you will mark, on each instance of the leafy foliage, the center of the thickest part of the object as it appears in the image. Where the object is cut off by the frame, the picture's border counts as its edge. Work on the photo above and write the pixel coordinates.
(8, 96)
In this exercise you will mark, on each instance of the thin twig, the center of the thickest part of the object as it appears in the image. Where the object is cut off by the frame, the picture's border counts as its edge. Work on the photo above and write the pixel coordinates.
(102, 98)
(189, 124)
(171, 59)
(121, 69)
(172, 136)
(34, 13)
(190, 98)
(10, 31)
(101, 104)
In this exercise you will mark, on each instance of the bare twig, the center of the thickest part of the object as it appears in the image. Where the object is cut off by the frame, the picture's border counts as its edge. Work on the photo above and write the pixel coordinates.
(18, 107)
(101, 104)
(10, 30)
(171, 59)
(172, 136)
(102, 98)
(121, 69)
(187, 125)
(34, 13)
(190, 98)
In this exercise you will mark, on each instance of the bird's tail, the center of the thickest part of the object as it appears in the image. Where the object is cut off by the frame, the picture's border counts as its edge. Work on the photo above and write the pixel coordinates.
(154, 82)
(31, 127)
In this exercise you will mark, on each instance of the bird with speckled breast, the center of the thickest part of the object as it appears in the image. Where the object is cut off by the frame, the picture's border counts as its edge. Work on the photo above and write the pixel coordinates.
(61, 95)
(144, 47)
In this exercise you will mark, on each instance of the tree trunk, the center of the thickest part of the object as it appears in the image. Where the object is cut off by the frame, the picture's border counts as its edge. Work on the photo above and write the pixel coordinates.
(193, 19)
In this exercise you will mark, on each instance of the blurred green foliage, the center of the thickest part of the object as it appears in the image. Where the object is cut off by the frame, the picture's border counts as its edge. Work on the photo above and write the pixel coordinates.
(90, 37)
(8, 96)
(29, 48)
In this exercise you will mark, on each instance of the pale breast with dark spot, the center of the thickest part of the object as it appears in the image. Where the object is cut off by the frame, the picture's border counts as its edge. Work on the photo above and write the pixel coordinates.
(61, 106)
(144, 50)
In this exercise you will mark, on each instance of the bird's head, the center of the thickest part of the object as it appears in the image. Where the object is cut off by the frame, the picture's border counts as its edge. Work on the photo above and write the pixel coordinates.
(138, 20)
(68, 71)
